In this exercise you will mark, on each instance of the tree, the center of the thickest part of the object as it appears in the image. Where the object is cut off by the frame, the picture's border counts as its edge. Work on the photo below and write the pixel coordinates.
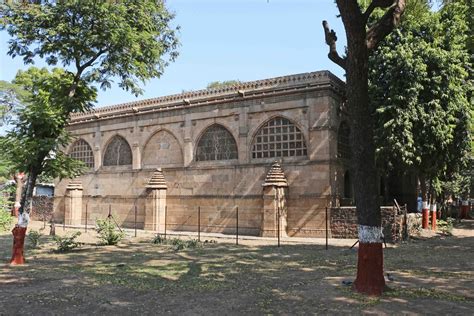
(419, 85)
(9, 100)
(362, 40)
(222, 84)
(96, 41)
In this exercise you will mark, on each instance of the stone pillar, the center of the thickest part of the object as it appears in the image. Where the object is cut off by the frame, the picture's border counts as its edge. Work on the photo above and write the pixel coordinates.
(275, 191)
(136, 157)
(156, 202)
(73, 203)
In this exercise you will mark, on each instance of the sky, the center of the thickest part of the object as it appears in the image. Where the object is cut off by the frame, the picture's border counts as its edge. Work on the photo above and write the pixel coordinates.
(231, 40)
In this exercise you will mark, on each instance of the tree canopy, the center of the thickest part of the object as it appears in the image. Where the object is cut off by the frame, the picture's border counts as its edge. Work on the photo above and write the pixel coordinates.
(102, 40)
(96, 42)
(419, 86)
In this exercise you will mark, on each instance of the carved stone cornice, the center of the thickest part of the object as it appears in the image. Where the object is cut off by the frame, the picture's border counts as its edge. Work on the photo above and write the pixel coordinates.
(242, 91)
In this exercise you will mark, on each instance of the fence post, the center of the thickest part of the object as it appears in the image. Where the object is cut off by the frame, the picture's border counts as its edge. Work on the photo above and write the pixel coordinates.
(166, 211)
(237, 225)
(199, 223)
(87, 204)
(135, 220)
(326, 228)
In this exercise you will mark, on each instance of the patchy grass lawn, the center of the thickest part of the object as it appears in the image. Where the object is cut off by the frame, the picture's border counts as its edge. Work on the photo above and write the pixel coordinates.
(432, 275)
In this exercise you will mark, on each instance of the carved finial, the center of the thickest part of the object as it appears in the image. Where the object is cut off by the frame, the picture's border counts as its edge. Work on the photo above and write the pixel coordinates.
(275, 176)
(157, 180)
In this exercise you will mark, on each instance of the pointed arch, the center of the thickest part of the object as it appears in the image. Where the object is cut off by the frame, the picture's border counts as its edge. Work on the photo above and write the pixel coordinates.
(278, 137)
(343, 144)
(117, 152)
(162, 149)
(81, 150)
(216, 143)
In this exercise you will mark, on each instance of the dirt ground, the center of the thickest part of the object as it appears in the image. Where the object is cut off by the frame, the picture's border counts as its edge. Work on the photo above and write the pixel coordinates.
(432, 274)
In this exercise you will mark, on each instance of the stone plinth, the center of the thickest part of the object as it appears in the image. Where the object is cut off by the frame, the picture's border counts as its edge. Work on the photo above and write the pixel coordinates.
(73, 203)
(156, 202)
(274, 203)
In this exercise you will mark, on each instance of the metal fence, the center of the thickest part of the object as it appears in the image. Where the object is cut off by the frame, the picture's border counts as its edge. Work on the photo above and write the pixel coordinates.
(234, 227)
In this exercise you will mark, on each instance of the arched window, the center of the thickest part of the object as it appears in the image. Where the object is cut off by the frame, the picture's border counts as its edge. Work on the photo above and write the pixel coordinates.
(279, 138)
(217, 143)
(118, 152)
(81, 150)
(343, 147)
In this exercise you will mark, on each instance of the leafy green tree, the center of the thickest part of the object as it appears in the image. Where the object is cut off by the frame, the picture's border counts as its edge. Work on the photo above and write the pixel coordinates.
(34, 143)
(97, 42)
(419, 85)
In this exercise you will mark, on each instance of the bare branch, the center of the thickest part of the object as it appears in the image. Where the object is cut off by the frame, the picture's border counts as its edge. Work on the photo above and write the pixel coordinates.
(331, 39)
(383, 4)
(385, 25)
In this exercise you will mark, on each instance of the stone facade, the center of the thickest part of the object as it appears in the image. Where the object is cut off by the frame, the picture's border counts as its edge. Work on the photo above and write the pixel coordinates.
(215, 149)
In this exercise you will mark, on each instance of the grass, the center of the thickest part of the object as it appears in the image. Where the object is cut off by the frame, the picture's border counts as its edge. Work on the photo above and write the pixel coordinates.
(297, 279)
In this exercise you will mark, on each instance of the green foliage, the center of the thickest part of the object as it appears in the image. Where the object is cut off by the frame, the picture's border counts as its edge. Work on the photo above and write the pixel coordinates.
(222, 84)
(123, 39)
(6, 220)
(9, 100)
(108, 233)
(446, 226)
(419, 87)
(34, 238)
(176, 243)
(96, 41)
(159, 239)
(68, 242)
(37, 136)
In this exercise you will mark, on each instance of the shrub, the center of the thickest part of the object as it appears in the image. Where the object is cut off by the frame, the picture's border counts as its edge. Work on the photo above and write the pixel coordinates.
(446, 226)
(68, 242)
(34, 238)
(159, 239)
(108, 233)
(176, 243)
(6, 220)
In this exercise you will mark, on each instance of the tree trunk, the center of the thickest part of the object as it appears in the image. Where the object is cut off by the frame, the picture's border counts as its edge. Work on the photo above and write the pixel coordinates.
(19, 231)
(19, 189)
(425, 209)
(370, 279)
(362, 39)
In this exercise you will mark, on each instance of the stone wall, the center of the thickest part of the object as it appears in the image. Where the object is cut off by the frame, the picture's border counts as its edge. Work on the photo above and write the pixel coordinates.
(343, 223)
(165, 133)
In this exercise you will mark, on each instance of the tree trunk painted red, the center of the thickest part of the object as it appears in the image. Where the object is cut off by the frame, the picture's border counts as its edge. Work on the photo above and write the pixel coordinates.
(425, 216)
(362, 40)
(433, 217)
(464, 210)
(425, 210)
(433, 220)
(18, 243)
(370, 279)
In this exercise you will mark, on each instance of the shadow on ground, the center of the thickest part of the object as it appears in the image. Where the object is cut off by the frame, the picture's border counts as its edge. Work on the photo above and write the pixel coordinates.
(429, 276)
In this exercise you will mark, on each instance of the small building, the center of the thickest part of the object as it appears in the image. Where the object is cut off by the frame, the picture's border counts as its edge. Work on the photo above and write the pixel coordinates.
(279, 145)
